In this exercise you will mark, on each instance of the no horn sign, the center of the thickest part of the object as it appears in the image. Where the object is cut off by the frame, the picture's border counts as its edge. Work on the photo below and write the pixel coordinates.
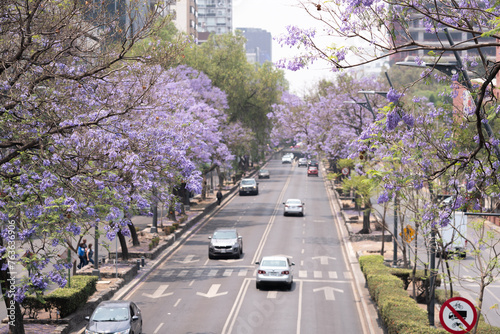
(458, 315)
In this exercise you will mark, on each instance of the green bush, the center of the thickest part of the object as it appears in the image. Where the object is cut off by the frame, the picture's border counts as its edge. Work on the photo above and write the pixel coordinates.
(68, 300)
(400, 313)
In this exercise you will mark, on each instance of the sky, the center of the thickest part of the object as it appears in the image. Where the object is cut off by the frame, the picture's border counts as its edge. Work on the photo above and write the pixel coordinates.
(274, 16)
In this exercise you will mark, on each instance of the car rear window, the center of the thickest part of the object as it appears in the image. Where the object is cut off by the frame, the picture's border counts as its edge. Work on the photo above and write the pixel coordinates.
(273, 263)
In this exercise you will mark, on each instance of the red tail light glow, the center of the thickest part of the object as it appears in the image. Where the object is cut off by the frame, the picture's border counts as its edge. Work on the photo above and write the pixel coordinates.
(262, 272)
(286, 272)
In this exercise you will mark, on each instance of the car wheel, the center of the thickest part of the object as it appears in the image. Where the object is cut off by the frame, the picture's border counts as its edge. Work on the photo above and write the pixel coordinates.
(290, 285)
(257, 285)
(210, 256)
(284, 214)
(302, 214)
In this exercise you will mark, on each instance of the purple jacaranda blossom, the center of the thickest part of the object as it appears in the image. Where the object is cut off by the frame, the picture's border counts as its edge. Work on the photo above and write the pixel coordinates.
(393, 96)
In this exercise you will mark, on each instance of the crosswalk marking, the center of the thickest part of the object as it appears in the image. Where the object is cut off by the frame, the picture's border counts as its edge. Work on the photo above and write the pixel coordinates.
(244, 272)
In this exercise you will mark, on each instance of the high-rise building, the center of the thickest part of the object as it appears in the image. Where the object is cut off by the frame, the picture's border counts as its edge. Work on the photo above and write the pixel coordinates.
(215, 16)
(184, 16)
(258, 46)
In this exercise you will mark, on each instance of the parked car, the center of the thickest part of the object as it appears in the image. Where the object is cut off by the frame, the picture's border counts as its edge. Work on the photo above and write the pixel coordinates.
(312, 162)
(312, 170)
(225, 242)
(115, 316)
(274, 270)
(249, 186)
(263, 174)
(302, 162)
(293, 206)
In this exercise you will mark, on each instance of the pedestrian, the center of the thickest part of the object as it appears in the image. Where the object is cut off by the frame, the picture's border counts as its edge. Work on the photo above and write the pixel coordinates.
(219, 197)
(90, 254)
(82, 250)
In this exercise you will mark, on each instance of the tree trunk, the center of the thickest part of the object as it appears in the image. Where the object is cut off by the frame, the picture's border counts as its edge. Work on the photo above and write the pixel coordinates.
(14, 313)
(133, 234)
(123, 244)
(171, 214)
(366, 221)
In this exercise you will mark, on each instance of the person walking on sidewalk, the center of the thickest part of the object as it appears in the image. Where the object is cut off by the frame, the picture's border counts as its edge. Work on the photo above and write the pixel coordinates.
(82, 254)
(219, 197)
(90, 254)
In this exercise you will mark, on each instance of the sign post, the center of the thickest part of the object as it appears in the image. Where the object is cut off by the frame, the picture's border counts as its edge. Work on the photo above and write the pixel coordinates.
(458, 315)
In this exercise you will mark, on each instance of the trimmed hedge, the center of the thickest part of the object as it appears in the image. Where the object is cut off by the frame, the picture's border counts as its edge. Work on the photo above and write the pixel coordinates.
(65, 300)
(400, 313)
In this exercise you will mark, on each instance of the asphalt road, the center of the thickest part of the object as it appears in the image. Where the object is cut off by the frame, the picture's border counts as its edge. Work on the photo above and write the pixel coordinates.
(188, 293)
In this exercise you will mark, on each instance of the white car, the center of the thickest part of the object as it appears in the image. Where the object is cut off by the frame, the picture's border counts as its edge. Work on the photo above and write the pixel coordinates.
(275, 270)
(287, 158)
(293, 206)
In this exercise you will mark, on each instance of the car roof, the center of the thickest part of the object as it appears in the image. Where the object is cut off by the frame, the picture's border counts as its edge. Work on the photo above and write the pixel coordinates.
(293, 199)
(274, 257)
(249, 179)
(224, 229)
(114, 303)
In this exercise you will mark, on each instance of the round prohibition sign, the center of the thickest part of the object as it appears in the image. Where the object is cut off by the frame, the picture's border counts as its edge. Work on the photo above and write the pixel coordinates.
(458, 315)
(345, 171)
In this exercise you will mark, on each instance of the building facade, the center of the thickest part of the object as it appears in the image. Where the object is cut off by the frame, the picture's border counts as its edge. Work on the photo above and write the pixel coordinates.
(258, 46)
(215, 16)
(184, 16)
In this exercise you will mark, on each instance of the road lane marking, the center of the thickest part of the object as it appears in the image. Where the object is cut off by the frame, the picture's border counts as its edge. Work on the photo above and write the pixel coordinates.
(299, 315)
(213, 272)
(159, 292)
(198, 273)
(347, 274)
(177, 302)
(183, 273)
(272, 294)
(228, 272)
(233, 314)
(318, 274)
(243, 272)
(333, 274)
(157, 330)
(212, 292)
(303, 273)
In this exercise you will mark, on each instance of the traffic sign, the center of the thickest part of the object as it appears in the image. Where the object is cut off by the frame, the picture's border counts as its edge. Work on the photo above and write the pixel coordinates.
(345, 171)
(408, 234)
(458, 315)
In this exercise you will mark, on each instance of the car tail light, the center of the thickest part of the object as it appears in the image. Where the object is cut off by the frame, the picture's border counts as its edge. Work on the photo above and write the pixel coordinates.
(261, 272)
(286, 272)
(286, 206)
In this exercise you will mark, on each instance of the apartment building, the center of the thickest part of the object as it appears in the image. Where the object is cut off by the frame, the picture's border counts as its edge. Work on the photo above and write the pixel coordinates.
(215, 16)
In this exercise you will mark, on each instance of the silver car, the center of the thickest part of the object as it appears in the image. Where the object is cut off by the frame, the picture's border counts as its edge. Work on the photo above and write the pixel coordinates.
(293, 206)
(115, 316)
(275, 270)
(263, 174)
(225, 242)
(249, 186)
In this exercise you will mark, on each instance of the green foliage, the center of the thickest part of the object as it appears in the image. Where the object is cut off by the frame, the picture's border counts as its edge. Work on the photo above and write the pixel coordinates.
(362, 185)
(66, 300)
(399, 312)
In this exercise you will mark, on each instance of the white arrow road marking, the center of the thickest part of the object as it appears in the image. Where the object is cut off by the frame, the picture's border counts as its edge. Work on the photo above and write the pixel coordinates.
(159, 292)
(328, 292)
(323, 259)
(212, 292)
(272, 294)
(188, 259)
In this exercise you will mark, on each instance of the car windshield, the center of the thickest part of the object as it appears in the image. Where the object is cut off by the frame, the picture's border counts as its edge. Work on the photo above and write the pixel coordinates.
(111, 314)
(225, 235)
(273, 263)
(263, 170)
(247, 182)
(293, 201)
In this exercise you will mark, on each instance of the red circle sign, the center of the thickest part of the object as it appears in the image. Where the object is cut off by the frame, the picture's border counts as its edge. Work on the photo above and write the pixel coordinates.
(458, 315)
(345, 171)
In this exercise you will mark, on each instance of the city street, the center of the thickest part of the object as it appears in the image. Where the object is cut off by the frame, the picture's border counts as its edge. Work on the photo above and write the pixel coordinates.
(190, 293)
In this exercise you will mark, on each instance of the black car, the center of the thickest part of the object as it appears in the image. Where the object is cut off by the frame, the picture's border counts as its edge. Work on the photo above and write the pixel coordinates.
(225, 242)
(115, 316)
(313, 163)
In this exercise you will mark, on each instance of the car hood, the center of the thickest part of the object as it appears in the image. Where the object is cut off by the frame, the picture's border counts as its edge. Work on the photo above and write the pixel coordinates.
(223, 242)
(248, 186)
(108, 326)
